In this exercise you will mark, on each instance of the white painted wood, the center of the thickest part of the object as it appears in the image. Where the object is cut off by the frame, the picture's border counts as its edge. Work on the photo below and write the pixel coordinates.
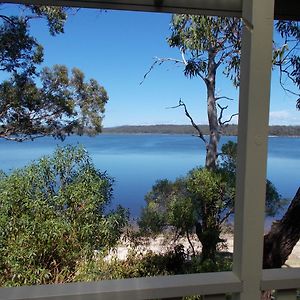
(286, 295)
(254, 106)
(129, 289)
(252, 145)
(208, 7)
(280, 279)
(215, 297)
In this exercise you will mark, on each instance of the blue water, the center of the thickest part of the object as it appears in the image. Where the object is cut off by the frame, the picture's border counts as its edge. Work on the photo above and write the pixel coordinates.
(137, 161)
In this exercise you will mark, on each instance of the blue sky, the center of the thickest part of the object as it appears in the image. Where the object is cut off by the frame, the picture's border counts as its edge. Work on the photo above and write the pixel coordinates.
(117, 48)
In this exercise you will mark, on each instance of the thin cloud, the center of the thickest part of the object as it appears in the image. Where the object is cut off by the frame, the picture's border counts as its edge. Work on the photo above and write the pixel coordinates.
(284, 117)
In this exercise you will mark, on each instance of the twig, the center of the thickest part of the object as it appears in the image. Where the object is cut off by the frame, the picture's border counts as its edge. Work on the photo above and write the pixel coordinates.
(200, 134)
(233, 115)
(222, 108)
(160, 61)
(190, 242)
(223, 97)
(227, 215)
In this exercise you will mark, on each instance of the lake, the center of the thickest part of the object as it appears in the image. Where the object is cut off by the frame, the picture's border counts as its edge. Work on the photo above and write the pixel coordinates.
(136, 161)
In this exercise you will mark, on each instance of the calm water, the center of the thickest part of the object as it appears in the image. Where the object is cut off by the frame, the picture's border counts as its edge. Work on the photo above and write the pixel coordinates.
(137, 161)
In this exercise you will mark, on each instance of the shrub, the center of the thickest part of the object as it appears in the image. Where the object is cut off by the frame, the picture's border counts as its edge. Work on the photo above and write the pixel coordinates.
(52, 215)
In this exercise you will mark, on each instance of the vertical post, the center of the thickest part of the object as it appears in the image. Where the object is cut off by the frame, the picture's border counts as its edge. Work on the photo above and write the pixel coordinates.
(256, 62)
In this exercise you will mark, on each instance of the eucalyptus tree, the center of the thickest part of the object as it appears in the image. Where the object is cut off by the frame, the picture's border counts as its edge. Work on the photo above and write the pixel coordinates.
(207, 45)
(36, 101)
(211, 47)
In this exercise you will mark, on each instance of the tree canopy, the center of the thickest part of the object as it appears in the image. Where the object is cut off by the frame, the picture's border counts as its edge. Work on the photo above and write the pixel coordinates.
(38, 101)
(64, 103)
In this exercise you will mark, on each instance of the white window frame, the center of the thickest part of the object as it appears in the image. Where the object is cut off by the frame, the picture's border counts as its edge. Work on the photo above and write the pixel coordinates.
(247, 278)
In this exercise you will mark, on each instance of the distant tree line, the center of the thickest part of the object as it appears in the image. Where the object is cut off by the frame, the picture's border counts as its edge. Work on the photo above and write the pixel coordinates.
(230, 130)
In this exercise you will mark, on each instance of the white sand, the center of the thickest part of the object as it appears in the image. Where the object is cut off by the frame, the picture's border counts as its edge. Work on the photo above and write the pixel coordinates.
(161, 245)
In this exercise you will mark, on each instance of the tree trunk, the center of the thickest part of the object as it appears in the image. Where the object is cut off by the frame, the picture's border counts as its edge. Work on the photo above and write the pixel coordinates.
(209, 239)
(283, 236)
(208, 234)
(281, 239)
(212, 114)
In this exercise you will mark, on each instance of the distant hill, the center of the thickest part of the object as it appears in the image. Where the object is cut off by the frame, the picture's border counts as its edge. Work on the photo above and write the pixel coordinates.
(276, 130)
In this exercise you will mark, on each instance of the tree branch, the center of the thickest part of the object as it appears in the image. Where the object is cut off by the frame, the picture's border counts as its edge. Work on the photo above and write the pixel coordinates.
(227, 215)
(222, 108)
(200, 134)
(22, 138)
(7, 19)
(183, 56)
(223, 97)
(159, 61)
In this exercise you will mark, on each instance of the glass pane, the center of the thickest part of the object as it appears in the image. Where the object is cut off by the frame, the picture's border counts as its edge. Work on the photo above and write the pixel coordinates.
(283, 159)
(152, 194)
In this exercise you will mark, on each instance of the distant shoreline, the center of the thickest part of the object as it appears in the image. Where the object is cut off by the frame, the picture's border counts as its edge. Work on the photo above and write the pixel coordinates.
(230, 130)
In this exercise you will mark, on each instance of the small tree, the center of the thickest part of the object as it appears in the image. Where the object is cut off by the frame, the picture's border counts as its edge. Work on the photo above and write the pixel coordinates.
(53, 214)
(201, 202)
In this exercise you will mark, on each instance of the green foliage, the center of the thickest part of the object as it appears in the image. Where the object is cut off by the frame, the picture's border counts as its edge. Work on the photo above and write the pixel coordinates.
(286, 55)
(55, 16)
(149, 264)
(198, 36)
(62, 104)
(19, 52)
(201, 37)
(52, 215)
(274, 201)
(229, 156)
(135, 265)
(168, 204)
(50, 101)
(182, 202)
(200, 202)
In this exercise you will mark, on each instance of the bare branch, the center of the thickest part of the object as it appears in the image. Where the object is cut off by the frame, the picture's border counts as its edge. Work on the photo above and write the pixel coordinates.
(229, 120)
(21, 138)
(222, 108)
(7, 19)
(183, 56)
(200, 134)
(282, 84)
(159, 61)
(223, 97)
(227, 215)
(190, 242)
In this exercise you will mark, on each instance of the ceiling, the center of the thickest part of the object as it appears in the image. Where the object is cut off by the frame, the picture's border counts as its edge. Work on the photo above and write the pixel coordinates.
(284, 9)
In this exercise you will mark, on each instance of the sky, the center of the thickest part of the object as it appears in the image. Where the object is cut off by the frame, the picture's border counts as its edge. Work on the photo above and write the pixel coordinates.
(117, 48)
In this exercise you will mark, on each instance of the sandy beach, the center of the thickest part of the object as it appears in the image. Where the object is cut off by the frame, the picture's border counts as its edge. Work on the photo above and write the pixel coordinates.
(161, 245)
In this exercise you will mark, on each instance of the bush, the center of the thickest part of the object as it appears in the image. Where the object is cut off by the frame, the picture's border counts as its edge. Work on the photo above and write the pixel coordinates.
(52, 215)
(150, 264)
